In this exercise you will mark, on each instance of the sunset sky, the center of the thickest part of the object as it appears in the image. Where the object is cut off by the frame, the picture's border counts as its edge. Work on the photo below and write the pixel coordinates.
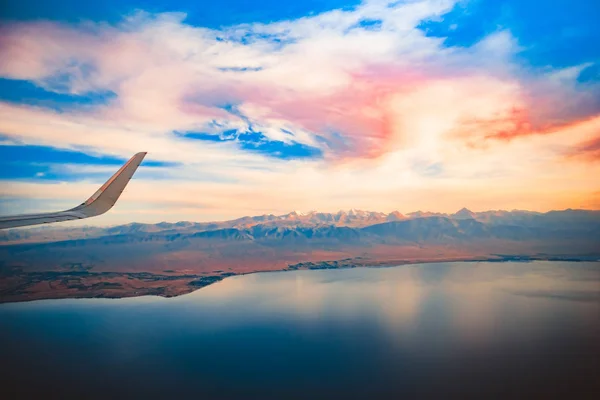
(260, 107)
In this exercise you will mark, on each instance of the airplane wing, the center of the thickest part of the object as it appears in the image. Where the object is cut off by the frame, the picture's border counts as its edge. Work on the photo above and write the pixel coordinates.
(99, 203)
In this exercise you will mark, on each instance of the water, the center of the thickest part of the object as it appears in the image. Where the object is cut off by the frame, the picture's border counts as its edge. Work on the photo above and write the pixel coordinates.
(447, 329)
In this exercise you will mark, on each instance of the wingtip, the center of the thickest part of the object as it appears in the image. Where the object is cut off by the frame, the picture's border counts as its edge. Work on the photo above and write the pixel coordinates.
(139, 157)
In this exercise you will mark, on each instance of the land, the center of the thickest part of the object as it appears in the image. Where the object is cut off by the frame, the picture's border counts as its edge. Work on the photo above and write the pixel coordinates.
(174, 259)
(19, 286)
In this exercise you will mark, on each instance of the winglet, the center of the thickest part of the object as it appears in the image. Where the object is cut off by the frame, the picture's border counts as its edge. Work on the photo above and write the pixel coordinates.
(108, 194)
(99, 203)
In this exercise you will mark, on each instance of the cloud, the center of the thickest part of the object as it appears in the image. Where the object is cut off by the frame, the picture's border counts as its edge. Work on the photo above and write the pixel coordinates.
(315, 76)
(354, 106)
(588, 150)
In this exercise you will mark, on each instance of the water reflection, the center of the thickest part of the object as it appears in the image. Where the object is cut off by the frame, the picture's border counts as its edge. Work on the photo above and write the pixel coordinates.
(433, 329)
(470, 296)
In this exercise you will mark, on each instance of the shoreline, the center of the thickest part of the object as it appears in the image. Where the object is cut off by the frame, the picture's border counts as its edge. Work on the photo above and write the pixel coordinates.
(117, 285)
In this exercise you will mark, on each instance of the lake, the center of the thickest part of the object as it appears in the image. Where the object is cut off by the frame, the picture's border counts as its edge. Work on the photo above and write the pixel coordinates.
(446, 329)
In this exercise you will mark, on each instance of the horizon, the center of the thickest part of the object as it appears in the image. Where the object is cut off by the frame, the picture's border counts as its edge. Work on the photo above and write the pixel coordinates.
(254, 109)
(410, 215)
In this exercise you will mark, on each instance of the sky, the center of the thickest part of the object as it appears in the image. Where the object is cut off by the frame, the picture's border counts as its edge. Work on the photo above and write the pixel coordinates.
(249, 108)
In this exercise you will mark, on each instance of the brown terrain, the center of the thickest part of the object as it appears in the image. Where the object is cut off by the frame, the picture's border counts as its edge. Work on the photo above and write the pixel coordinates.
(173, 259)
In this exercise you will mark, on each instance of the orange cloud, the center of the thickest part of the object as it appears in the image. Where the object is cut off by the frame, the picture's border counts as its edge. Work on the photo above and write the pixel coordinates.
(588, 150)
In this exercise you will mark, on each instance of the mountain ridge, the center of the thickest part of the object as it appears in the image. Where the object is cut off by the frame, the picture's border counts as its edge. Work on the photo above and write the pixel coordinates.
(568, 224)
(351, 218)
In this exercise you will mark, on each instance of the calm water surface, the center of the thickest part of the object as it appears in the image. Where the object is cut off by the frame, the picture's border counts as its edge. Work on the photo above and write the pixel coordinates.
(442, 330)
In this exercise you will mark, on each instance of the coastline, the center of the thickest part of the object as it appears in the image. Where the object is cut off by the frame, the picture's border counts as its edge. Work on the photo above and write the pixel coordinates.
(25, 287)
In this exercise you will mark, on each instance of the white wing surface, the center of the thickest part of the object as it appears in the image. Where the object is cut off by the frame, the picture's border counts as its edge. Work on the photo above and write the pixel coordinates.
(99, 203)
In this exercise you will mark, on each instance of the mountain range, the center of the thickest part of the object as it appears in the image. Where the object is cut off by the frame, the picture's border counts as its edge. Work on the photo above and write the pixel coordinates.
(416, 226)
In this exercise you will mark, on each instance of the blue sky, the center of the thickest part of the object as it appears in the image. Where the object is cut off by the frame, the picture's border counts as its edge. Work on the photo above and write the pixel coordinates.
(539, 63)
(555, 33)
(211, 14)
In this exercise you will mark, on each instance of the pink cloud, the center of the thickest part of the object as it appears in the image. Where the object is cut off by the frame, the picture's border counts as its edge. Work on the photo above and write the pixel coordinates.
(588, 150)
